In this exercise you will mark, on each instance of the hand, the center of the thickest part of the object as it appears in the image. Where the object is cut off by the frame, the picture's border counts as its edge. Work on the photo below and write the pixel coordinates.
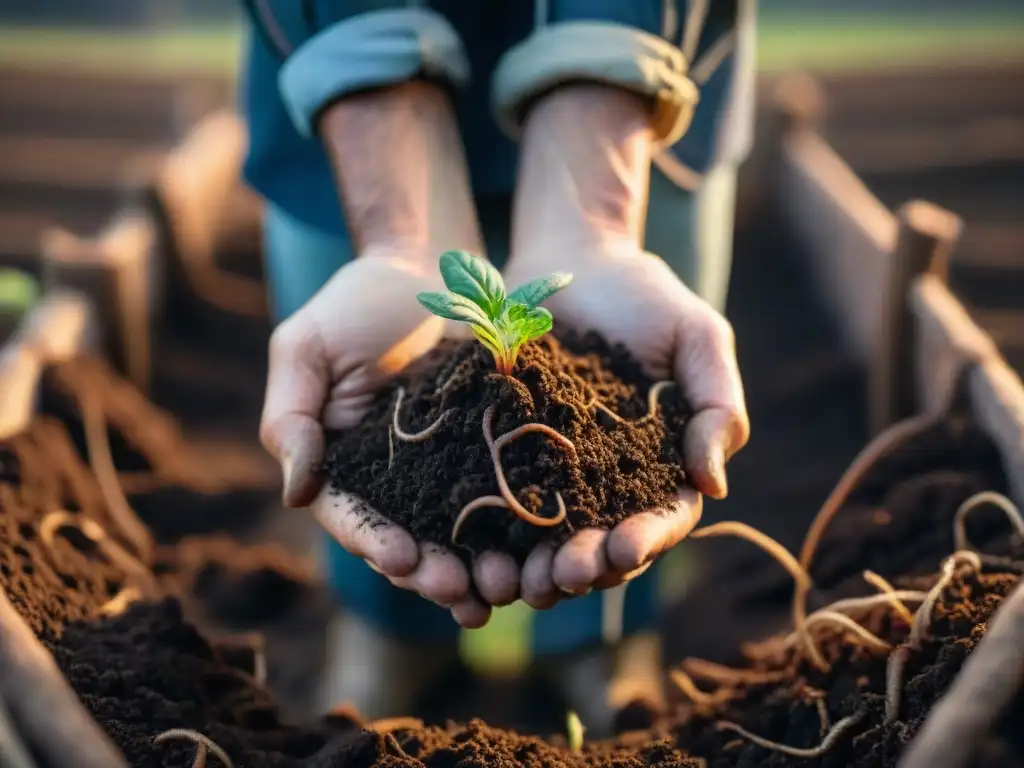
(327, 362)
(632, 297)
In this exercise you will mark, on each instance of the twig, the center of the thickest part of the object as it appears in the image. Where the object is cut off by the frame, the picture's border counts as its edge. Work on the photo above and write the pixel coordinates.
(919, 628)
(833, 737)
(884, 442)
(202, 742)
(895, 669)
(989, 680)
(102, 461)
(1013, 514)
(851, 604)
(652, 404)
(414, 437)
(886, 588)
(787, 561)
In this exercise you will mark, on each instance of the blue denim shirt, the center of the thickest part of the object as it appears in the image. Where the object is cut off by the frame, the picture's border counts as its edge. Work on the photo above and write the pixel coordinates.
(304, 54)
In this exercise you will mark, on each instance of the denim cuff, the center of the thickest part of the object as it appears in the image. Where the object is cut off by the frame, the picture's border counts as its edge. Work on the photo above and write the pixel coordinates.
(596, 51)
(369, 50)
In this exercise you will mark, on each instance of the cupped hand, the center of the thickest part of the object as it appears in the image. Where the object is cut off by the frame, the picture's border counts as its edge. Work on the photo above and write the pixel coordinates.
(327, 363)
(632, 297)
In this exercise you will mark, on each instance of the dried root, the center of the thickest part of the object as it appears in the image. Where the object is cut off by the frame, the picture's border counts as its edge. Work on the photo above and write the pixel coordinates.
(919, 628)
(827, 744)
(204, 744)
(414, 437)
(123, 559)
(718, 673)
(389, 724)
(102, 461)
(1013, 514)
(652, 404)
(507, 500)
(895, 669)
(120, 602)
(689, 689)
(886, 588)
(787, 561)
(882, 444)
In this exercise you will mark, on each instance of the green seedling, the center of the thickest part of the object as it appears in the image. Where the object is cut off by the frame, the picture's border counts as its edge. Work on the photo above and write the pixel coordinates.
(574, 731)
(502, 321)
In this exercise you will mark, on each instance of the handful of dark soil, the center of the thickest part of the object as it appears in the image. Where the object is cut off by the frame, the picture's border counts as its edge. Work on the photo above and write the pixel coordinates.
(607, 444)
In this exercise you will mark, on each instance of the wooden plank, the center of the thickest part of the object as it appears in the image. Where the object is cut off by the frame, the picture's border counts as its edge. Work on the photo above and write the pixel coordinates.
(847, 233)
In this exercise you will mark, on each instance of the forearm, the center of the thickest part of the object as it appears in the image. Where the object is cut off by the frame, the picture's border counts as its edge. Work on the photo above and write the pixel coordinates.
(584, 169)
(400, 170)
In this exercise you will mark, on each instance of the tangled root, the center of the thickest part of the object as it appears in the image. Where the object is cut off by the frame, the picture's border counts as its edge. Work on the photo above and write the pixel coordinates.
(204, 744)
(884, 442)
(827, 744)
(101, 460)
(507, 500)
(652, 405)
(1013, 514)
(921, 625)
(787, 561)
(423, 434)
(93, 531)
(886, 588)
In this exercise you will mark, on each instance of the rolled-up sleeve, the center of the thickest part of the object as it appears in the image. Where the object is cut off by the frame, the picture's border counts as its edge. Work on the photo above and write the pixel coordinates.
(618, 42)
(362, 45)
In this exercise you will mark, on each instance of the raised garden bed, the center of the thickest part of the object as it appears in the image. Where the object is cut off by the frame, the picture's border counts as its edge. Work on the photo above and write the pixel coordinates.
(141, 670)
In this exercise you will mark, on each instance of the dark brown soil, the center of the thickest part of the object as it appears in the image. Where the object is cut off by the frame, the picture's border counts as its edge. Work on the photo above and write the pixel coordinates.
(620, 468)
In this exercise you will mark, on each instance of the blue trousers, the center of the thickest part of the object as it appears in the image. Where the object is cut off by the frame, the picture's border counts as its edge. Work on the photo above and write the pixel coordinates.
(691, 231)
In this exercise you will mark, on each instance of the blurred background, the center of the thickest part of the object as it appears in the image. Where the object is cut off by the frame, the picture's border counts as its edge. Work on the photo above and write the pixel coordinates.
(119, 176)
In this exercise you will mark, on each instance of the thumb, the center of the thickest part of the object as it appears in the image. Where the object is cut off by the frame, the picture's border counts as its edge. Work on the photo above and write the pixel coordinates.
(707, 371)
(297, 387)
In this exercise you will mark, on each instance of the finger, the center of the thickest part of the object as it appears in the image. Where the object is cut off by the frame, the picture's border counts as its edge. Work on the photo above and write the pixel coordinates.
(496, 577)
(297, 385)
(644, 536)
(440, 577)
(538, 589)
(390, 549)
(580, 561)
(471, 612)
(615, 578)
(708, 373)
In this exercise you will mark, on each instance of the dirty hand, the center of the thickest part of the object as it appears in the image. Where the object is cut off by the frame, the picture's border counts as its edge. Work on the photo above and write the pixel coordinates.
(327, 363)
(632, 297)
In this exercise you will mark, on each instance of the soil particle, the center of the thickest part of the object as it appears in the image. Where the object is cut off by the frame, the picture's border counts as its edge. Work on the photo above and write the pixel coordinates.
(147, 671)
(619, 468)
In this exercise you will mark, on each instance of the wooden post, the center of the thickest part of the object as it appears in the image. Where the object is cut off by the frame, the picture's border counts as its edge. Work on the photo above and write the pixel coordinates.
(116, 271)
(924, 241)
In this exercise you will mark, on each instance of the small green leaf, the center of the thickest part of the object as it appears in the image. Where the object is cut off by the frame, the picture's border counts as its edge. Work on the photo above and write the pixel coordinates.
(536, 291)
(453, 307)
(475, 279)
(533, 324)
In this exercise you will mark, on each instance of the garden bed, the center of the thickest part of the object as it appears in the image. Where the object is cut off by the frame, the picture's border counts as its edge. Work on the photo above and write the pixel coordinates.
(141, 669)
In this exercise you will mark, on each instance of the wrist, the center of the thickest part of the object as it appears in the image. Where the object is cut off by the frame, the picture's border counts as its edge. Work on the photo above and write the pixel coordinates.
(400, 171)
(584, 188)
